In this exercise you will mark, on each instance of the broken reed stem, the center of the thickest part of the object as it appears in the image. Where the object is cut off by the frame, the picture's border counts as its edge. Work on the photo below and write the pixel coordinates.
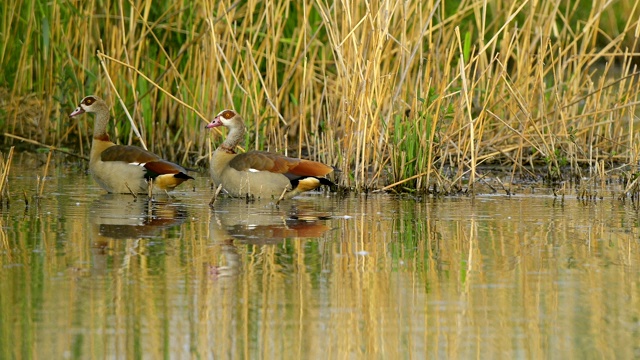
(400, 182)
(150, 202)
(215, 196)
(603, 179)
(104, 56)
(5, 173)
(150, 188)
(115, 90)
(135, 196)
(44, 175)
(53, 148)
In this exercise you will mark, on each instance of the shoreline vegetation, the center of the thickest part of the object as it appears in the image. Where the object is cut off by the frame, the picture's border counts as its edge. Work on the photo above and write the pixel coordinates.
(401, 96)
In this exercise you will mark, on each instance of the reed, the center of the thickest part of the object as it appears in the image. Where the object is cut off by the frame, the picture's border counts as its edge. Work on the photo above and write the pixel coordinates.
(41, 180)
(5, 165)
(402, 96)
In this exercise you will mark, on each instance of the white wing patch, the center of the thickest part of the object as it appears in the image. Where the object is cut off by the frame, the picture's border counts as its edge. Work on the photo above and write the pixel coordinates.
(137, 164)
(253, 170)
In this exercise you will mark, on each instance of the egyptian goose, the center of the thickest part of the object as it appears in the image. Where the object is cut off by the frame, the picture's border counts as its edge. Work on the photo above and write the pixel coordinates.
(260, 174)
(121, 168)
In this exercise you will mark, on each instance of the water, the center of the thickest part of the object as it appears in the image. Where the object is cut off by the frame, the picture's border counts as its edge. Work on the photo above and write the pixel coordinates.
(89, 275)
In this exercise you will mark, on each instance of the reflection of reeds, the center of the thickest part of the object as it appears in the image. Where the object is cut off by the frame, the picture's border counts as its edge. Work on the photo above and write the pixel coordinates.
(398, 95)
(449, 278)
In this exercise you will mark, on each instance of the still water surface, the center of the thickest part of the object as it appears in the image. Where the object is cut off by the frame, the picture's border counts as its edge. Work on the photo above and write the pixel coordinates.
(85, 275)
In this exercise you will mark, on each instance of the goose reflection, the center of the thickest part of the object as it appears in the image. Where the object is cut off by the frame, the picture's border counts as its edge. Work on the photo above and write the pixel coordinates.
(115, 216)
(234, 223)
(255, 223)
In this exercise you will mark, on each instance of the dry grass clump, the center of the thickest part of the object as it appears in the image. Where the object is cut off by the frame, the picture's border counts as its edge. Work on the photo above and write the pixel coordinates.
(404, 96)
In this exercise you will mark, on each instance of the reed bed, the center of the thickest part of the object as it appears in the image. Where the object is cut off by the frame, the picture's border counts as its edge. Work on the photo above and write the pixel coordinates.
(401, 96)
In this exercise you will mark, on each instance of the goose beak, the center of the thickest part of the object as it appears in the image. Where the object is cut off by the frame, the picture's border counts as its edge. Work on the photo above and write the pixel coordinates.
(215, 123)
(79, 110)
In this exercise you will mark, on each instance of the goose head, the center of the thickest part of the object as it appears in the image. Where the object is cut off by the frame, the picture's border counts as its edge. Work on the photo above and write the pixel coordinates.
(228, 118)
(90, 104)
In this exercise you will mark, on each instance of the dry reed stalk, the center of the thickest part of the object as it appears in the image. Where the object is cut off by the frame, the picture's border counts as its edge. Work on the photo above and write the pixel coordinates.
(4, 176)
(51, 148)
(44, 175)
(150, 191)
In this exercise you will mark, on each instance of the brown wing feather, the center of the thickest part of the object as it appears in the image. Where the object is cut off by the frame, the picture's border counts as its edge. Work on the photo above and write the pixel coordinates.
(154, 165)
(261, 161)
(128, 154)
(162, 167)
(266, 161)
(310, 168)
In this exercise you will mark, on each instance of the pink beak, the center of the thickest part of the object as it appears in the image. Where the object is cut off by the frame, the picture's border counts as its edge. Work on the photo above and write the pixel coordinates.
(215, 123)
(79, 110)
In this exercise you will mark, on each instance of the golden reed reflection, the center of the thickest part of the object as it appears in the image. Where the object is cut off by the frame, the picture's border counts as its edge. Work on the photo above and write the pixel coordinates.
(456, 278)
(321, 278)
